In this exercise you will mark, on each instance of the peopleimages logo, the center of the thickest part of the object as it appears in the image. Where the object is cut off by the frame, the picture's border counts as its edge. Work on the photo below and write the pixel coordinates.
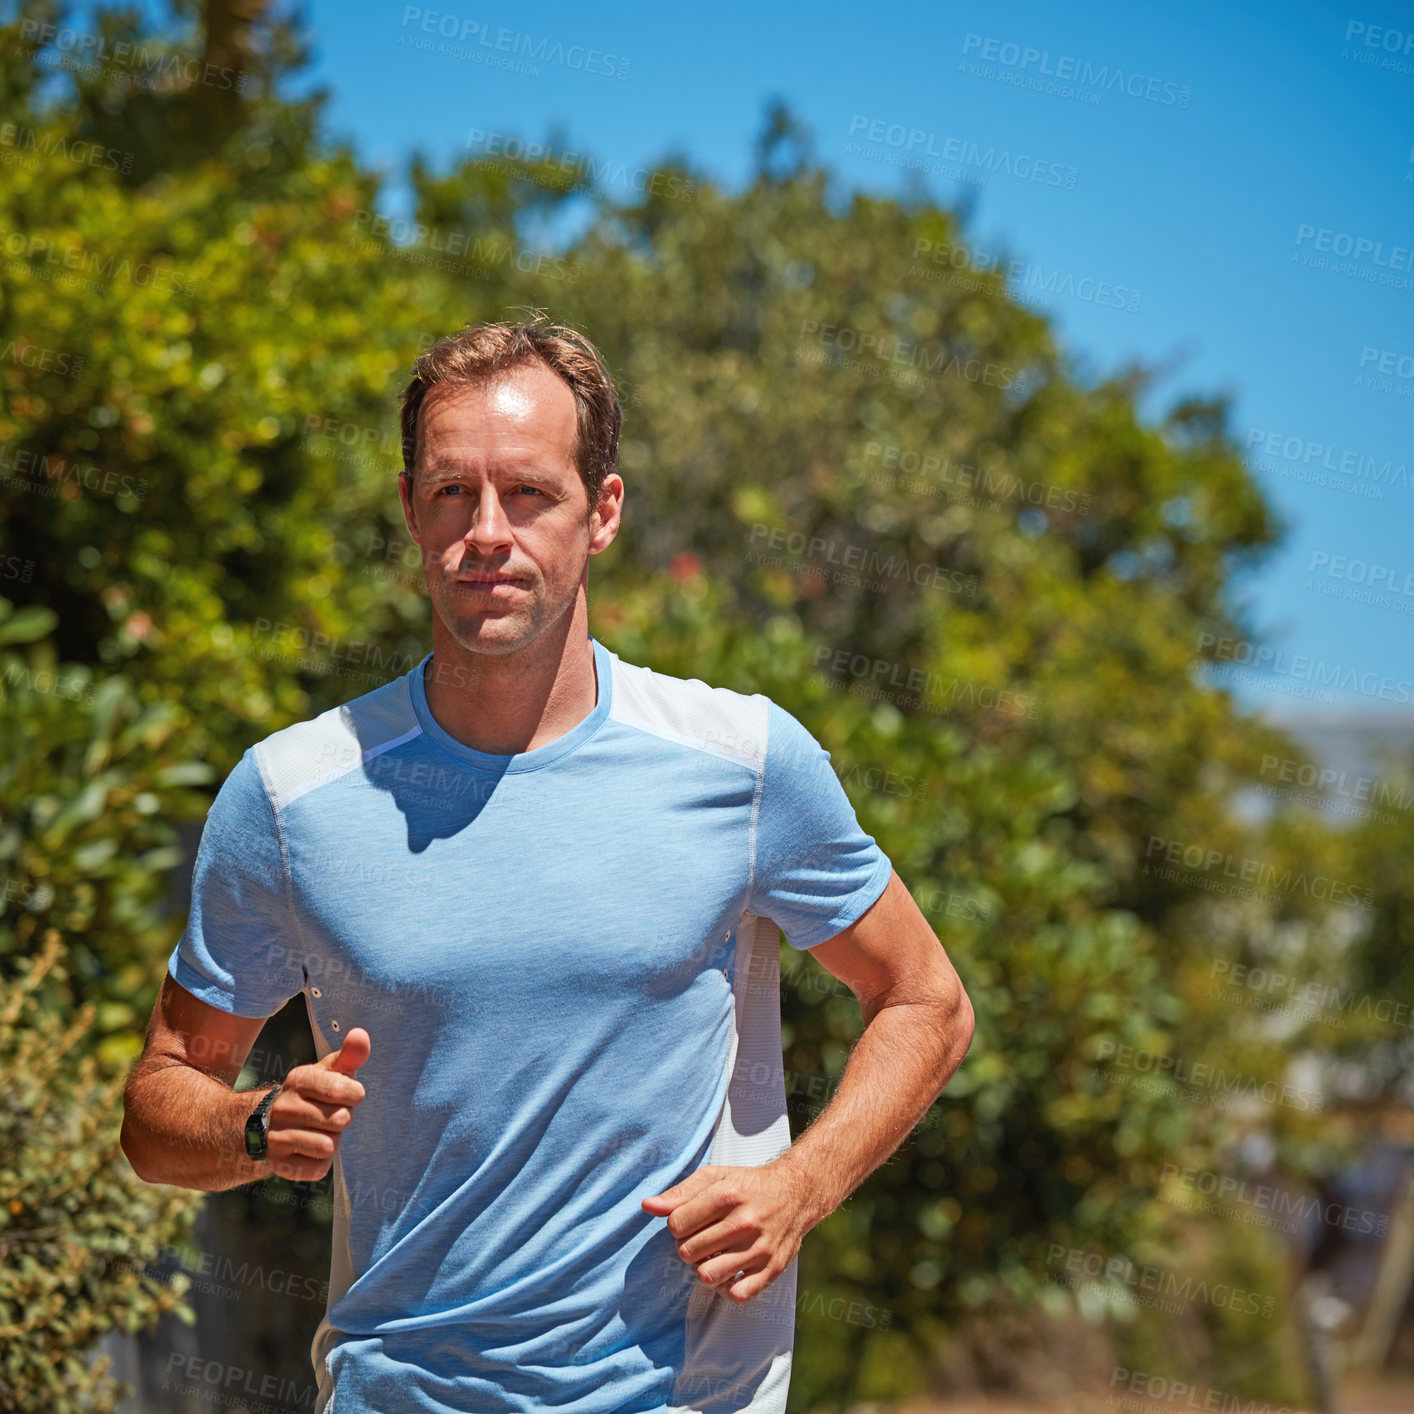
(1381, 586)
(1309, 999)
(1268, 1199)
(74, 261)
(1293, 771)
(863, 558)
(464, 38)
(587, 172)
(73, 149)
(1216, 652)
(1203, 1075)
(1010, 55)
(1263, 874)
(31, 355)
(882, 347)
(134, 64)
(1083, 1267)
(1307, 453)
(918, 143)
(992, 481)
(1379, 46)
(1346, 253)
(415, 241)
(1181, 1394)
(1021, 276)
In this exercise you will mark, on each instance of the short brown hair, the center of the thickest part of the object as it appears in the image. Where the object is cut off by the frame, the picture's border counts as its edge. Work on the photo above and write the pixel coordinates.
(481, 351)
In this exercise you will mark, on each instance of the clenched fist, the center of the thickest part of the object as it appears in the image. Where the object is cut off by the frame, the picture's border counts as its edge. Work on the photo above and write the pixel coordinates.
(309, 1115)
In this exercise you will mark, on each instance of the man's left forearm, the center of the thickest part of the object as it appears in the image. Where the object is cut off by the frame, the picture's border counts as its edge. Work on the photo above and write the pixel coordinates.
(904, 1057)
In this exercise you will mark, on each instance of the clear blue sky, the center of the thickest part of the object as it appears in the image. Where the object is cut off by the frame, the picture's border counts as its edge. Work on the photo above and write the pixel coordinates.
(1287, 120)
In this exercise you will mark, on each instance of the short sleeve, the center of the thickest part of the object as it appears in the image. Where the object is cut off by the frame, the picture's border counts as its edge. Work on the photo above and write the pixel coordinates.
(240, 951)
(814, 870)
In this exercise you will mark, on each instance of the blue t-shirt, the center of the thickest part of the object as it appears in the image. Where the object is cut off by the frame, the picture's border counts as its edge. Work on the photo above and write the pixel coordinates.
(567, 962)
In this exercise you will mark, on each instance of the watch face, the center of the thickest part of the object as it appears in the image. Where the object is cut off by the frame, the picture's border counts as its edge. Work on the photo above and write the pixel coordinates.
(256, 1128)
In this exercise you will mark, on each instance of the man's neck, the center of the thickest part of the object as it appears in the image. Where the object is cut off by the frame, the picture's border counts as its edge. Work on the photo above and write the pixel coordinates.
(504, 703)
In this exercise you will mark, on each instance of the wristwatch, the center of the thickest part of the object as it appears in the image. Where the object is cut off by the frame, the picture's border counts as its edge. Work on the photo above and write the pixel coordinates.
(257, 1127)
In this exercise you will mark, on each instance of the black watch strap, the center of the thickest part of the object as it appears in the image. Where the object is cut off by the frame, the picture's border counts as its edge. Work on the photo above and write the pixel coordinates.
(258, 1125)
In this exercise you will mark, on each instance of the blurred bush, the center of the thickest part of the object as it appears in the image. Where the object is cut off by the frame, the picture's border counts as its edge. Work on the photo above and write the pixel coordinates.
(75, 1222)
(95, 783)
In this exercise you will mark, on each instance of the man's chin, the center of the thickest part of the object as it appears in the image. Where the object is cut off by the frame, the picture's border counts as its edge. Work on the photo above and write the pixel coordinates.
(494, 629)
(490, 630)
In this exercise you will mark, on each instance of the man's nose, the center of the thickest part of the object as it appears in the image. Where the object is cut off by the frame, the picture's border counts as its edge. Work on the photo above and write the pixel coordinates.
(489, 520)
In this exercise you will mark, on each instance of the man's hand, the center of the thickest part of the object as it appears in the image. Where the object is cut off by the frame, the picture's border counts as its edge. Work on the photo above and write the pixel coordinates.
(308, 1117)
(740, 1227)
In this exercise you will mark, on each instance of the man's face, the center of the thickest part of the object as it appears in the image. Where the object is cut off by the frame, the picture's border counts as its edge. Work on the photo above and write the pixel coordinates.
(499, 510)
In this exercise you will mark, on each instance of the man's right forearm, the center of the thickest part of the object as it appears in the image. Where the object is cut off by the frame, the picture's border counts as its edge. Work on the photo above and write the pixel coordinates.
(184, 1127)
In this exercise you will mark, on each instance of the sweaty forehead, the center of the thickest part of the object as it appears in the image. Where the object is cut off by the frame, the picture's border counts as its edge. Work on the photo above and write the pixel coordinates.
(510, 400)
(528, 406)
(525, 391)
(505, 398)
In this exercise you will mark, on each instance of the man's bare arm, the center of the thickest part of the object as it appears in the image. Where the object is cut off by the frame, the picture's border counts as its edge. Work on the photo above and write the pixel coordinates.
(184, 1124)
(918, 1027)
(739, 1226)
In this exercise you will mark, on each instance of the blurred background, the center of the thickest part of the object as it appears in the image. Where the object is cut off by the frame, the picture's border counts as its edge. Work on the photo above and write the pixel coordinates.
(1022, 398)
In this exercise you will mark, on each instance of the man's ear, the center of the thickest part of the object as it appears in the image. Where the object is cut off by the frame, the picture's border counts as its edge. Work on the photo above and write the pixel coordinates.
(405, 488)
(608, 510)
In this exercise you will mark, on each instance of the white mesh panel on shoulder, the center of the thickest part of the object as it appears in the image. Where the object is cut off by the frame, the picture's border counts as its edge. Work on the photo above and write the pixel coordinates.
(717, 720)
(738, 1357)
(310, 754)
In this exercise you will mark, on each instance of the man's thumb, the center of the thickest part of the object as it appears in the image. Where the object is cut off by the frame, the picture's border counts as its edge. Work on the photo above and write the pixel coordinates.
(352, 1054)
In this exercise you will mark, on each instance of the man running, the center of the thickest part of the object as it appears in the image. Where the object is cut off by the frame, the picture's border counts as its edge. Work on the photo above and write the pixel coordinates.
(530, 894)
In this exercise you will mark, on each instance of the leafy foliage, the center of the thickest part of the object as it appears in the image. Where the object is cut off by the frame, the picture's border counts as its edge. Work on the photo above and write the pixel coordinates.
(96, 781)
(76, 1224)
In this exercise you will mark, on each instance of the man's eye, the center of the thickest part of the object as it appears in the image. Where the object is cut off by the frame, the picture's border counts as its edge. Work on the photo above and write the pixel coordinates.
(452, 486)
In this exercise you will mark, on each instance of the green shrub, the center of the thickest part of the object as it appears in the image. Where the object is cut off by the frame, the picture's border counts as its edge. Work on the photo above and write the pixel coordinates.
(77, 1226)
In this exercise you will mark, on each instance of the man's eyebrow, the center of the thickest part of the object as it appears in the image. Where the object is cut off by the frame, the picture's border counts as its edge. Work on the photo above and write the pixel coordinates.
(507, 471)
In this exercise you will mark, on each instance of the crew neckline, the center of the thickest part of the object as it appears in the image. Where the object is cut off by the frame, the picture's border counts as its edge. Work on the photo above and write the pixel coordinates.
(520, 760)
